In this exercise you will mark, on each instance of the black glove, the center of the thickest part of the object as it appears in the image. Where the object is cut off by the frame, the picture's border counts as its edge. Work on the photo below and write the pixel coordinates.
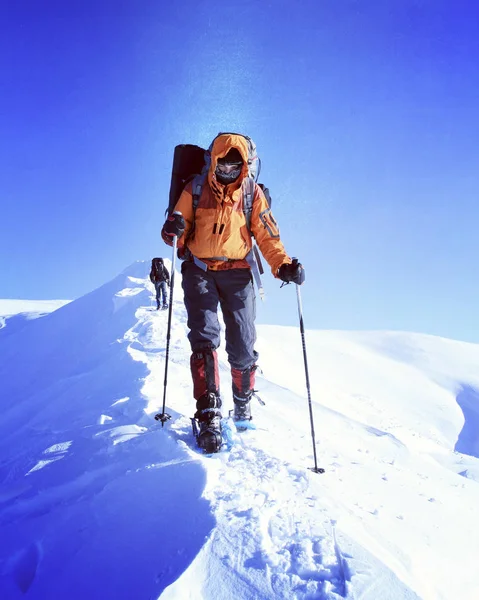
(292, 273)
(174, 225)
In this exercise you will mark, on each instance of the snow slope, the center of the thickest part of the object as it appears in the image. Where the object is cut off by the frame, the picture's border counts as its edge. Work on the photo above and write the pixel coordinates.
(97, 500)
(15, 313)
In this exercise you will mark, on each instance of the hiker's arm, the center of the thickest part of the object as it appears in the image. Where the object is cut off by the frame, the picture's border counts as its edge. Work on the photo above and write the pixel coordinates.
(185, 207)
(266, 233)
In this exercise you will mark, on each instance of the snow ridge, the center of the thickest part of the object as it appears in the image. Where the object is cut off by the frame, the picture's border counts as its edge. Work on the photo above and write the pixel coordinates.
(98, 500)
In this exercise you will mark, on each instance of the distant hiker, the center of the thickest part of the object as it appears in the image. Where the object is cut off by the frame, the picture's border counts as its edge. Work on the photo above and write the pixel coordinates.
(160, 278)
(215, 241)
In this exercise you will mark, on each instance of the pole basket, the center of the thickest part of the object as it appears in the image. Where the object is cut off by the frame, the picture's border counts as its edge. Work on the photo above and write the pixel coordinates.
(163, 417)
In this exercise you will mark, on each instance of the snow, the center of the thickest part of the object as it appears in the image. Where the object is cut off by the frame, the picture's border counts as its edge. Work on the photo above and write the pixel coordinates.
(16, 312)
(14, 307)
(98, 500)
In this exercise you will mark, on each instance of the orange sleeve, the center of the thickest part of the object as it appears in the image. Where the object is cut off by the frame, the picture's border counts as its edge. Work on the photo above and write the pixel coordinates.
(266, 232)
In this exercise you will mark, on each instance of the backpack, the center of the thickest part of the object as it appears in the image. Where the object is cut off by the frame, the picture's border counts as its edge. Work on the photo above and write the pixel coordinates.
(192, 163)
(157, 269)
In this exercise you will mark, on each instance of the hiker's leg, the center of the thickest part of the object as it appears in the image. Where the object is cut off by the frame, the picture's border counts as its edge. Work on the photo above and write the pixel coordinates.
(238, 304)
(157, 289)
(201, 302)
(164, 293)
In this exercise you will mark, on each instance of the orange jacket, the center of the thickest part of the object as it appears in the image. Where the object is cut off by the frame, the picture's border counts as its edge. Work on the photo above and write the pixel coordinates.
(219, 223)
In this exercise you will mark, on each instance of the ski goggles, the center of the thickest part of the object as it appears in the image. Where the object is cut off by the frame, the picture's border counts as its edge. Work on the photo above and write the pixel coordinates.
(228, 168)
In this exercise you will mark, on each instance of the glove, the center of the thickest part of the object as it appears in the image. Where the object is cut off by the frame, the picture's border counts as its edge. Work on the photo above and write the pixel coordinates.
(292, 273)
(174, 225)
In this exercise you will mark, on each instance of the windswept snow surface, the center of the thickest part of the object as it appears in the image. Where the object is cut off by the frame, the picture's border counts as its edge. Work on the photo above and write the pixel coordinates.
(16, 313)
(99, 501)
(32, 307)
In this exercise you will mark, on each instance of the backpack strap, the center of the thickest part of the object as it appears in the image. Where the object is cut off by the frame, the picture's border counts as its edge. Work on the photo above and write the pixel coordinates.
(197, 188)
(248, 198)
(197, 184)
(254, 262)
(253, 256)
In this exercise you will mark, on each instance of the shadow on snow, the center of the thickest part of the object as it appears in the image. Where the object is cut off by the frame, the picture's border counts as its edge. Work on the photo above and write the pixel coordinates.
(96, 500)
(468, 440)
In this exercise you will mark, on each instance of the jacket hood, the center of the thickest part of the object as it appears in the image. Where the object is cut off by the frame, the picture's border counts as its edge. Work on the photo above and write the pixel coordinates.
(221, 146)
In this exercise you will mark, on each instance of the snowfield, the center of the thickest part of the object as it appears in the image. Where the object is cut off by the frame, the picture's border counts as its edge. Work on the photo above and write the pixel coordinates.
(99, 501)
(17, 312)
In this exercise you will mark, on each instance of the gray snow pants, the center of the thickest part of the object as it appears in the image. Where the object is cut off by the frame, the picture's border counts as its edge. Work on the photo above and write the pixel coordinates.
(233, 290)
(161, 293)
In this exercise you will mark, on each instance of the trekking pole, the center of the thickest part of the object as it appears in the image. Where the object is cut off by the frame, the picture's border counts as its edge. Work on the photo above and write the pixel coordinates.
(315, 469)
(163, 417)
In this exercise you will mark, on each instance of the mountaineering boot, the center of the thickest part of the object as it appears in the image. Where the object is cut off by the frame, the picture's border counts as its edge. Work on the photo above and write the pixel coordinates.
(209, 419)
(243, 388)
(165, 306)
(242, 410)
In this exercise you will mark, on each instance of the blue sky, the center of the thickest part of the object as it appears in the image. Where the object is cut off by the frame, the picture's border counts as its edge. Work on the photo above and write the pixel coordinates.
(364, 114)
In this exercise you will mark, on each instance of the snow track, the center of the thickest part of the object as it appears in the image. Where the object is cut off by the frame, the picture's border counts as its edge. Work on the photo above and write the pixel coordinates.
(257, 500)
(262, 538)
